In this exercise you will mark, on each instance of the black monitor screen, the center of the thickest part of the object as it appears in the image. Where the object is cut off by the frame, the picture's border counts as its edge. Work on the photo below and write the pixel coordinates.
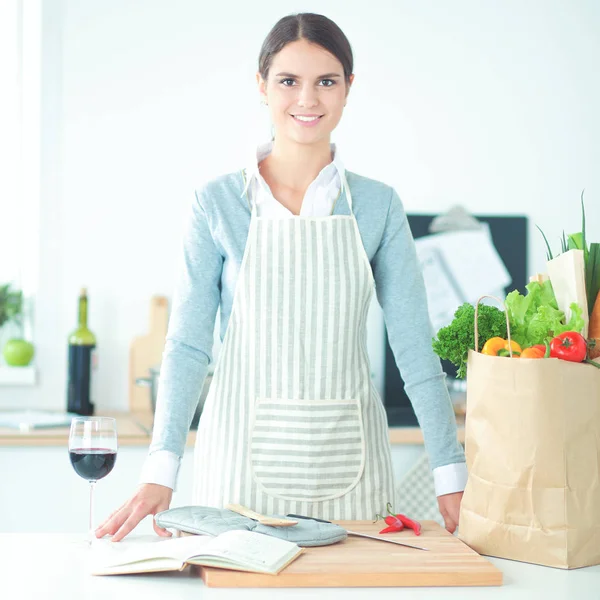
(509, 235)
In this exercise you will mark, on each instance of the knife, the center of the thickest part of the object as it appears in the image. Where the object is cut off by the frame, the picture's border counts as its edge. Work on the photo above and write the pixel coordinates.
(355, 533)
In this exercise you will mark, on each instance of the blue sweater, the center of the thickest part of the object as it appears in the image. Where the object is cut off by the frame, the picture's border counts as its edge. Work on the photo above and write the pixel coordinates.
(212, 255)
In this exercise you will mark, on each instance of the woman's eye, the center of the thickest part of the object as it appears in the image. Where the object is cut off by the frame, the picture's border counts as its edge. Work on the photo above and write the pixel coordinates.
(287, 82)
(327, 82)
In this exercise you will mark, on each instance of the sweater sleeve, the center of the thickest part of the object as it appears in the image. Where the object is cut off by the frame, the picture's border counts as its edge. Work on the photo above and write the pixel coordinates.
(401, 293)
(190, 336)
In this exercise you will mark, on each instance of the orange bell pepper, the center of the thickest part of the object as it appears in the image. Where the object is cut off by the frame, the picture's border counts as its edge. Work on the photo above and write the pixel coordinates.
(533, 352)
(537, 351)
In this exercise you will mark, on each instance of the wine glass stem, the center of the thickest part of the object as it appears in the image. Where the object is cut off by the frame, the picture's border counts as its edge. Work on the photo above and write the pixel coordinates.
(91, 528)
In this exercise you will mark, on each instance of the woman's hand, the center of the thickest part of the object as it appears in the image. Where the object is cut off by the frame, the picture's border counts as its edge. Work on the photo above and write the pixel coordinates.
(150, 499)
(450, 509)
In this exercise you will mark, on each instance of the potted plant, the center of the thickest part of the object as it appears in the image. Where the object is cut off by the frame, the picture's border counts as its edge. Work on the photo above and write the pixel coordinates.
(17, 351)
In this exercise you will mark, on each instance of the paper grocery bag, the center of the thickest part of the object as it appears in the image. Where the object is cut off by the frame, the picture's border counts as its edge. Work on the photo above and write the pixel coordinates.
(532, 443)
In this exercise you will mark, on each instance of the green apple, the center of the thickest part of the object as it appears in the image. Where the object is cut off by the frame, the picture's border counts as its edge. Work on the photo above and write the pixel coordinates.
(17, 352)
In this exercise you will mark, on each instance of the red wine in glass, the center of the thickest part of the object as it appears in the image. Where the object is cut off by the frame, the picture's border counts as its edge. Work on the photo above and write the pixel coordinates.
(93, 452)
(92, 463)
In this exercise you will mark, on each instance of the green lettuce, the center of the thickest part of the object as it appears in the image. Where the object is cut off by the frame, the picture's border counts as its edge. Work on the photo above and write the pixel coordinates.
(536, 318)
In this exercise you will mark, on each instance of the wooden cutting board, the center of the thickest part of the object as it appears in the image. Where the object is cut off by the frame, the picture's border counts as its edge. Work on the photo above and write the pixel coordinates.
(359, 562)
(145, 352)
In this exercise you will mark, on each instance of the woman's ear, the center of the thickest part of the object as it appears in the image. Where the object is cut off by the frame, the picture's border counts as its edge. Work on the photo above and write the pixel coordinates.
(262, 88)
(349, 84)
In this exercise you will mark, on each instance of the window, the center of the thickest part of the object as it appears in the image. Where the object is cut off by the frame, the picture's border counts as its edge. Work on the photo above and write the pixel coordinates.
(20, 63)
(10, 141)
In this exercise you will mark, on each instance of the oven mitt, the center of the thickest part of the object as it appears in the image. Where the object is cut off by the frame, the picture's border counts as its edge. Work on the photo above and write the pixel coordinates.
(204, 520)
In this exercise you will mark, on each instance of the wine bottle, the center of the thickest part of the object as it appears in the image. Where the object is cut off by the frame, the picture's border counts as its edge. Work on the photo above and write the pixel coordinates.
(82, 345)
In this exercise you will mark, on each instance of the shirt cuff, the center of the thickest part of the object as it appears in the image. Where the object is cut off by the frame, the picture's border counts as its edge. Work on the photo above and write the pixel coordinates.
(161, 467)
(450, 478)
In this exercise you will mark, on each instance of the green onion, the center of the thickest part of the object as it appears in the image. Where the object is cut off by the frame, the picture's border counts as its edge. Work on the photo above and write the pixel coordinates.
(583, 237)
(549, 251)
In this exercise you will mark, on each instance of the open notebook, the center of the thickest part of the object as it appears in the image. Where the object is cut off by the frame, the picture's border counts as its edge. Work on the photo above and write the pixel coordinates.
(237, 550)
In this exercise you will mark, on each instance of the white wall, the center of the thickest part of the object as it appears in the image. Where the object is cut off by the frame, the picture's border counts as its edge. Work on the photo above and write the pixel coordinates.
(493, 105)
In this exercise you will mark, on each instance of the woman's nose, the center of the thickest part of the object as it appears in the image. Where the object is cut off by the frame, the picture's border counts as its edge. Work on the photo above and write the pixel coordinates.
(307, 97)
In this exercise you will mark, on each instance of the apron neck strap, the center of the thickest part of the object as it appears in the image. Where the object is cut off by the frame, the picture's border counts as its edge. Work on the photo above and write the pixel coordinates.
(346, 190)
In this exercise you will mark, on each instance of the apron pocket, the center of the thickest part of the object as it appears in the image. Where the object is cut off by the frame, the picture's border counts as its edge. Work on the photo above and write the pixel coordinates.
(311, 450)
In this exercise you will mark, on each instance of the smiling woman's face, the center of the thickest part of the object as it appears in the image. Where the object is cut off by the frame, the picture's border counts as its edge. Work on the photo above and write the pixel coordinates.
(306, 92)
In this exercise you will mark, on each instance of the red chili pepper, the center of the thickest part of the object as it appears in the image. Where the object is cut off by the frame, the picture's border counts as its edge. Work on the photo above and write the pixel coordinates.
(391, 529)
(393, 522)
(399, 522)
(414, 525)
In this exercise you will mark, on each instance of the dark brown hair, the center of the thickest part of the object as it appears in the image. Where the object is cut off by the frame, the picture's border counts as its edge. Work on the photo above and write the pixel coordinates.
(316, 29)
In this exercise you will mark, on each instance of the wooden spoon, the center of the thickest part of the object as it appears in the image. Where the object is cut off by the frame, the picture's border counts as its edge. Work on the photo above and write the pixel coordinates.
(262, 519)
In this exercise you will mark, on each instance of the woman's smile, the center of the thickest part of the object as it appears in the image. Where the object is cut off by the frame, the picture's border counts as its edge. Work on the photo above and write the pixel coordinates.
(307, 120)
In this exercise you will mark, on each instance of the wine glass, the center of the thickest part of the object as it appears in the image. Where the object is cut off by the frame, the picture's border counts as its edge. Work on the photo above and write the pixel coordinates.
(93, 451)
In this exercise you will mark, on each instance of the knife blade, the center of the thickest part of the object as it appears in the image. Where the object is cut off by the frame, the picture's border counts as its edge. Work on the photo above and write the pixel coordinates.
(356, 534)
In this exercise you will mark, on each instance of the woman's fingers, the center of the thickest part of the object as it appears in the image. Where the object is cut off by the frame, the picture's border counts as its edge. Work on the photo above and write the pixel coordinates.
(449, 523)
(112, 523)
(131, 522)
(161, 531)
(450, 509)
(150, 499)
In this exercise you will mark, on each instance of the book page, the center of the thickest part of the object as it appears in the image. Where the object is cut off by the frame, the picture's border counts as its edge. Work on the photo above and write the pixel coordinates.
(241, 550)
(106, 554)
(246, 548)
(152, 565)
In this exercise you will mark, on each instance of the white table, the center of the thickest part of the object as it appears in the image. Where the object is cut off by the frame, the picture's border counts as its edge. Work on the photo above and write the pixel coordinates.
(52, 566)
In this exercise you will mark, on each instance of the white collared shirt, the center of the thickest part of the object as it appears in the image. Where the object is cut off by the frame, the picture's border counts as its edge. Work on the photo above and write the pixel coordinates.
(319, 198)
(162, 467)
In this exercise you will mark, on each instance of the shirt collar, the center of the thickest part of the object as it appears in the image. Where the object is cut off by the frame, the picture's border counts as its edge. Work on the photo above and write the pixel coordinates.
(263, 150)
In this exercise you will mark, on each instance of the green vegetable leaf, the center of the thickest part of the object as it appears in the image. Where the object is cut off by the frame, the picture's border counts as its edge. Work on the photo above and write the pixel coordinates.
(543, 325)
(11, 303)
(535, 318)
(454, 341)
(576, 322)
(522, 311)
(584, 244)
(575, 241)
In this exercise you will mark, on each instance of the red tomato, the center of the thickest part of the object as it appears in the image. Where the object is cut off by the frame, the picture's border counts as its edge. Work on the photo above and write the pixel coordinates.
(569, 345)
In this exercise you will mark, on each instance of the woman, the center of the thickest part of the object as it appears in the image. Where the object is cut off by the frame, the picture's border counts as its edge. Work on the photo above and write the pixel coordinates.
(292, 249)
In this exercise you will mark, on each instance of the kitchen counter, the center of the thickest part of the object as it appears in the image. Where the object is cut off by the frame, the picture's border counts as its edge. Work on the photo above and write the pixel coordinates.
(131, 431)
(135, 429)
(53, 566)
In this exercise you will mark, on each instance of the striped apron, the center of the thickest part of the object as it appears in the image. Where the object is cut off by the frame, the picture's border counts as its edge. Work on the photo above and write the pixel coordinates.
(292, 421)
